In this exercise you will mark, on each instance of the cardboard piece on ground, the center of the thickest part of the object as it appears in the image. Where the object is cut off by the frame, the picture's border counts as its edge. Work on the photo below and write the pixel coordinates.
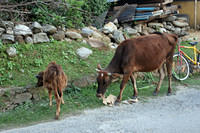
(110, 100)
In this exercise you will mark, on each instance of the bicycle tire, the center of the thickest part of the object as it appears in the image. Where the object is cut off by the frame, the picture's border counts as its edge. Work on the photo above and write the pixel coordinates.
(180, 67)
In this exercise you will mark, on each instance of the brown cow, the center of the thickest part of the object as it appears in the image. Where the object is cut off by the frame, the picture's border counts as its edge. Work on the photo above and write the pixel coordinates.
(53, 78)
(141, 54)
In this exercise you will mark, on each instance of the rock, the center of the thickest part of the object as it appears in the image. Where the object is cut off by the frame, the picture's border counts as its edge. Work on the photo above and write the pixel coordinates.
(49, 29)
(19, 39)
(36, 27)
(73, 35)
(11, 51)
(9, 30)
(86, 32)
(95, 43)
(29, 40)
(7, 24)
(97, 35)
(138, 28)
(177, 31)
(68, 40)
(59, 35)
(40, 38)
(150, 30)
(7, 38)
(130, 31)
(20, 98)
(113, 45)
(182, 19)
(118, 36)
(83, 52)
(109, 28)
(180, 24)
(162, 30)
(116, 21)
(155, 25)
(170, 18)
(22, 30)
(85, 81)
(1, 31)
(169, 27)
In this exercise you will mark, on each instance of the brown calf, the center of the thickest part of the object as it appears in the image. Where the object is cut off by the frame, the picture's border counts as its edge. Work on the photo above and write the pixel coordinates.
(141, 54)
(53, 78)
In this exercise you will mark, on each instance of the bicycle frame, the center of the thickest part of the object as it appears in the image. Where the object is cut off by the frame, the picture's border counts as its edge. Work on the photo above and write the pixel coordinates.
(195, 52)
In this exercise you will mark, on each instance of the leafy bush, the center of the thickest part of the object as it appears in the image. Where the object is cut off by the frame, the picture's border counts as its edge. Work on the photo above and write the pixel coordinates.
(69, 13)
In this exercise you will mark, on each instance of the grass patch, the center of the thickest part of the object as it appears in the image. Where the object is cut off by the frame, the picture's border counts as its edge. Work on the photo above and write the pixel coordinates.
(32, 58)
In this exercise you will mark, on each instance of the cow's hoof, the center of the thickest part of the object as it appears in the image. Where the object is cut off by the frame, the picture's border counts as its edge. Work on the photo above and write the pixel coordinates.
(117, 102)
(134, 97)
(57, 117)
(155, 93)
(169, 94)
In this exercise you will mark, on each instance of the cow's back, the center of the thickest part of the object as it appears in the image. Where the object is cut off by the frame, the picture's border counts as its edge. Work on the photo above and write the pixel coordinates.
(145, 53)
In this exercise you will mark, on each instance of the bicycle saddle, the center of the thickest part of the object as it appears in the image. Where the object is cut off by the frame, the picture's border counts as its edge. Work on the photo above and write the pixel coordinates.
(193, 43)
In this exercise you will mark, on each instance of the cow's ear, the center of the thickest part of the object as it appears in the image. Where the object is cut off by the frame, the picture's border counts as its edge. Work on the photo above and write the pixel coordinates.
(99, 67)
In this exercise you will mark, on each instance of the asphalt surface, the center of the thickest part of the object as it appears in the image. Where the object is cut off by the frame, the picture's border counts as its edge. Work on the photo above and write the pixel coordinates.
(178, 113)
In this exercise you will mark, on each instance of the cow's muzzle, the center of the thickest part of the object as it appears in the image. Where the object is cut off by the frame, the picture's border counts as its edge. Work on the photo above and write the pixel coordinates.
(99, 95)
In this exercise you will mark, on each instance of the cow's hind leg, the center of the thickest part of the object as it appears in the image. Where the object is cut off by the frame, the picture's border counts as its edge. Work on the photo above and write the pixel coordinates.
(58, 102)
(169, 73)
(122, 86)
(135, 92)
(161, 77)
(62, 100)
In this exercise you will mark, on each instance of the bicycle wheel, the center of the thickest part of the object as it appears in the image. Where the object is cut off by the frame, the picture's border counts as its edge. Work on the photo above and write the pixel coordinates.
(180, 67)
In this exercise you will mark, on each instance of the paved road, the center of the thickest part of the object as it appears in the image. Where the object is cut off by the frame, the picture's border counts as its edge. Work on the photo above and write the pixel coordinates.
(179, 113)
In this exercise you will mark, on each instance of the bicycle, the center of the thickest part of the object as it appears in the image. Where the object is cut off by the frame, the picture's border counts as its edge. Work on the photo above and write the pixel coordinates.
(183, 60)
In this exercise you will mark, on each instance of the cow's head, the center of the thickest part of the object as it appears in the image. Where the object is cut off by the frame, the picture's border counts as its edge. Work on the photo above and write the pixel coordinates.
(103, 79)
(40, 79)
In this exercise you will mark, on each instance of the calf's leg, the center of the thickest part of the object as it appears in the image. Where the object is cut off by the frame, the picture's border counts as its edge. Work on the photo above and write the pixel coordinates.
(135, 92)
(161, 77)
(50, 97)
(58, 102)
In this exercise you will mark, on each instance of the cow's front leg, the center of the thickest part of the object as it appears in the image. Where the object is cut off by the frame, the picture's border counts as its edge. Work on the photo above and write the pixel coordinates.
(122, 86)
(135, 92)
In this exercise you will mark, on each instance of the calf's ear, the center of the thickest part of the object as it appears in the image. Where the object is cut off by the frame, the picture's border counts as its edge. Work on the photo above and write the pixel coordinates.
(99, 67)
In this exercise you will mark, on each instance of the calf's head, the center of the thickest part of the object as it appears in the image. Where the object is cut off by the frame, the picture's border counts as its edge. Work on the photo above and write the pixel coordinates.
(40, 79)
(103, 80)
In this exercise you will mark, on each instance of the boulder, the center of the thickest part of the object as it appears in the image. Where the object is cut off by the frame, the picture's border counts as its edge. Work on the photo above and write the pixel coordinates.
(6, 24)
(130, 31)
(95, 43)
(118, 36)
(170, 18)
(20, 98)
(36, 27)
(68, 40)
(109, 28)
(29, 40)
(59, 35)
(97, 35)
(155, 25)
(177, 31)
(11, 51)
(19, 39)
(49, 29)
(86, 32)
(40, 38)
(113, 45)
(180, 24)
(83, 52)
(9, 30)
(7, 38)
(22, 30)
(162, 30)
(73, 35)
(1, 31)
(138, 28)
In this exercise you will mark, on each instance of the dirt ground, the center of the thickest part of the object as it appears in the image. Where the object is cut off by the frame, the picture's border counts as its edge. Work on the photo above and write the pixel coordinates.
(178, 113)
(192, 34)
